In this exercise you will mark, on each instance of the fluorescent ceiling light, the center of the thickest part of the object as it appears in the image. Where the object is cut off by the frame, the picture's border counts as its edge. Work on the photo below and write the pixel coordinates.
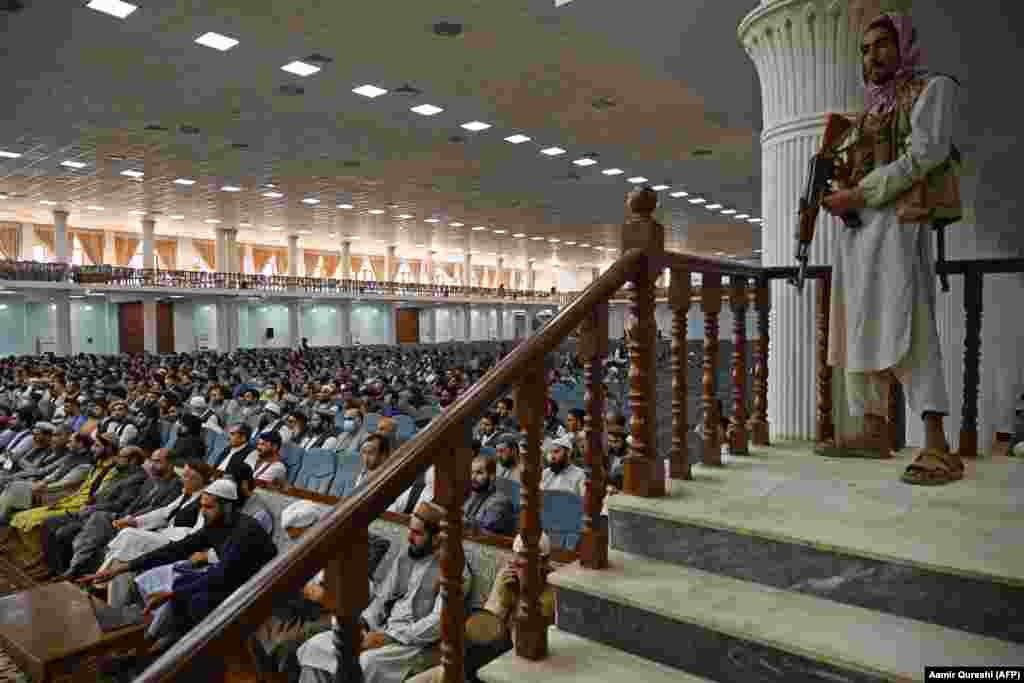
(753, 220)
(177, 217)
(456, 225)
(272, 195)
(300, 68)
(95, 208)
(216, 41)
(114, 8)
(697, 200)
(585, 161)
(277, 229)
(552, 151)
(73, 164)
(305, 232)
(9, 155)
(47, 202)
(613, 171)
(310, 200)
(231, 188)
(500, 232)
(536, 239)
(345, 206)
(570, 244)
(742, 215)
(137, 213)
(757, 251)
(404, 216)
(370, 91)
(376, 212)
(519, 234)
(476, 126)
(431, 220)
(426, 110)
(532, 260)
(518, 138)
(212, 221)
(712, 207)
(636, 179)
(184, 181)
(133, 174)
(659, 188)
(421, 246)
(245, 225)
(599, 248)
(554, 240)
(680, 193)
(585, 244)
(728, 212)
(479, 228)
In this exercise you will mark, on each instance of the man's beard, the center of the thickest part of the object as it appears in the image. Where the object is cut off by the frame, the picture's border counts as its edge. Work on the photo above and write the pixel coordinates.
(558, 467)
(418, 552)
(507, 463)
(480, 486)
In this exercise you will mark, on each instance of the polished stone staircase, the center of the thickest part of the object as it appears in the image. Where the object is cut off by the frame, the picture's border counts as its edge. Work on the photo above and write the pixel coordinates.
(783, 566)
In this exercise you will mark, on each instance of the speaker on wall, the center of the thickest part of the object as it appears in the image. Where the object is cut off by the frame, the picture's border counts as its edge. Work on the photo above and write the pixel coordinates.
(270, 333)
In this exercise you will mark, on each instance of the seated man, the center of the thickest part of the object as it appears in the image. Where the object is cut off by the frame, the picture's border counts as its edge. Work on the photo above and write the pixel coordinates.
(507, 450)
(269, 467)
(238, 448)
(374, 452)
(561, 474)
(492, 631)
(487, 509)
(404, 616)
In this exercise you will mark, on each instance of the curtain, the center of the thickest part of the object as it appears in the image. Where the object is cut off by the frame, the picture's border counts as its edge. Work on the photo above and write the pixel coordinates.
(354, 267)
(312, 260)
(124, 249)
(414, 270)
(92, 244)
(330, 265)
(10, 236)
(46, 235)
(167, 250)
(206, 250)
(260, 258)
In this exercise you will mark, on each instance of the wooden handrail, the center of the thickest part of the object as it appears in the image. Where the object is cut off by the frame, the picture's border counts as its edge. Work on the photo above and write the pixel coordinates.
(252, 603)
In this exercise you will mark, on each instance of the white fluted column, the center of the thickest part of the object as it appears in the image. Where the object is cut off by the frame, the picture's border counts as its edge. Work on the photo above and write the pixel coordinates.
(389, 264)
(807, 55)
(467, 269)
(531, 277)
(149, 325)
(63, 332)
(346, 262)
(499, 314)
(345, 323)
(60, 237)
(148, 243)
(293, 255)
(294, 322)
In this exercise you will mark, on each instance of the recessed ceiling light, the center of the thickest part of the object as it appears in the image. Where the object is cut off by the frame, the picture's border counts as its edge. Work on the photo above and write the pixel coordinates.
(519, 234)
(757, 251)
(305, 232)
(613, 171)
(3, 196)
(245, 225)
(479, 228)
(637, 179)
(456, 225)
(184, 181)
(500, 232)
(272, 195)
(310, 200)
(370, 91)
(697, 200)
(133, 174)
(585, 161)
(680, 193)
(177, 217)
(518, 138)
(212, 221)
(742, 215)
(231, 188)
(431, 220)
(9, 155)
(476, 126)
(404, 216)
(585, 244)
(73, 164)
(552, 151)
(753, 220)
(137, 213)
(114, 8)
(277, 228)
(659, 188)
(570, 244)
(216, 41)
(95, 208)
(599, 248)
(332, 234)
(376, 212)
(355, 237)
(47, 202)
(426, 110)
(421, 246)
(728, 212)
(345, 206)
(531, 260)
(554, 240)
(536, 239)
(712, 207)
(300, 68)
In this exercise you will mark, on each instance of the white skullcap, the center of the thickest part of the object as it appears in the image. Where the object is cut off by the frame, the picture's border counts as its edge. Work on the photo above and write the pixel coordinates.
(302, 514)
(223, 488)
(272, 407)
(518, 546)
(197, 402)
(563, 441)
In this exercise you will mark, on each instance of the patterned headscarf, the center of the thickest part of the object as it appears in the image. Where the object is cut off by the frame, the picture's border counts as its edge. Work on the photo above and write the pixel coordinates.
(882, 98)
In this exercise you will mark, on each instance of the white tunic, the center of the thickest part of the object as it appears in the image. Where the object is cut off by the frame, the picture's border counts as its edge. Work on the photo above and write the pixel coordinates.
(570, 479)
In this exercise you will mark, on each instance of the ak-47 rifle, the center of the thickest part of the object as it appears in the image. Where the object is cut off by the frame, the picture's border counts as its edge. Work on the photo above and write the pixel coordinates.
(820, 174)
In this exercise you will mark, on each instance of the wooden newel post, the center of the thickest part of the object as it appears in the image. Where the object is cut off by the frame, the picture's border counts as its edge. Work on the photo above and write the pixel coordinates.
(738, 304)
(347, 595)
(759, 420)
(532, 635)
(679, 293)
(450, 492)
(643, 475)
(711, 303)
(973, 300)
(825, 427)
(593, 546)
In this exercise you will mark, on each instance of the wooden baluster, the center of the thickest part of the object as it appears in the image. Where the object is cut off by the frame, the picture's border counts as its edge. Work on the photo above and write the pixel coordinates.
(711, 303)
(347, 593)
(593, 347)
(532, 636)
(680, 291)
(450, 491)
(738, 304)
(759, 420)
(973, 299)
(825, 426)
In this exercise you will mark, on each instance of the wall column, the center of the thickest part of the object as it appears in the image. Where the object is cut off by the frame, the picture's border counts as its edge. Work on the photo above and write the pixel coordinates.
(808, 61)
(346, 260)
(227, 325)
(453, 323)
(467, 322)
(221, 257)
(294, 318)
(499, 315)
(60, 237)
(389, 264)
(148, 243)
(63, 331)
(531, 277)
(149, 324)
(392, 318)
(500, 272)
(429, 333)
(293, 255)
(344, 309)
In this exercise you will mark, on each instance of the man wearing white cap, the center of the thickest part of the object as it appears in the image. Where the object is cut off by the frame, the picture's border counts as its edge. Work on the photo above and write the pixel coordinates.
(561, 474)
(273, 420)
(198, 406)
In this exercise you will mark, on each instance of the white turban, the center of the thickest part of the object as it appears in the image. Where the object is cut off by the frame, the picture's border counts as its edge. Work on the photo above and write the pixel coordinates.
(302, 514)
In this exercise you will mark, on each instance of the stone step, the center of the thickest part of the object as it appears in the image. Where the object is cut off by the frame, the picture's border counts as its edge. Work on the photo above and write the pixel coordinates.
(847, 530)
(573, 659)
(734, 631)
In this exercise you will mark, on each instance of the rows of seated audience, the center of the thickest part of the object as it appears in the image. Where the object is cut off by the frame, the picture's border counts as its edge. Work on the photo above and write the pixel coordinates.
(149, 481)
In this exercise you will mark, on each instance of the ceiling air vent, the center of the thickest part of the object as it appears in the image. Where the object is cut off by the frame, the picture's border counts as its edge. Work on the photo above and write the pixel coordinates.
(188, 130)
(318, 59)
(156, 127)
(408, 91)
(456, 139)
(291, 90)
(447, 29)
(240, 145)
(702, 152)
(352, 163)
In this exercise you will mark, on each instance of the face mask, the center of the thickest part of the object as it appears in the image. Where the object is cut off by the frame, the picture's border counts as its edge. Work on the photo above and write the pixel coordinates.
(349, 425)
